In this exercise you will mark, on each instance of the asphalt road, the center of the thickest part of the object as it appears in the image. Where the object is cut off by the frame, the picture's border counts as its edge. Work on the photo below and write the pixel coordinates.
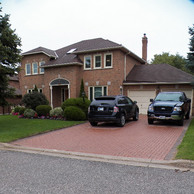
(35, 173)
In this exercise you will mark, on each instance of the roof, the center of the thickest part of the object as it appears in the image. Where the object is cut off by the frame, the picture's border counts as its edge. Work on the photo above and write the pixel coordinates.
(157, 73)
(43, 50)
(68, 55)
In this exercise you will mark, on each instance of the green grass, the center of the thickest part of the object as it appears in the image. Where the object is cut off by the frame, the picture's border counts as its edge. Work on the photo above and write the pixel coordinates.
(186, 148)
(13, 128)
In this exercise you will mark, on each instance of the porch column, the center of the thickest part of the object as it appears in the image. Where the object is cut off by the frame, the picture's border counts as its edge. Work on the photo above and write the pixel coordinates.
(51, 88)
(68, 91)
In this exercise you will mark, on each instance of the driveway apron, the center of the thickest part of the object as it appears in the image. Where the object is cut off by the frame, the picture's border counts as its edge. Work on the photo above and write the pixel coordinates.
(136, 139)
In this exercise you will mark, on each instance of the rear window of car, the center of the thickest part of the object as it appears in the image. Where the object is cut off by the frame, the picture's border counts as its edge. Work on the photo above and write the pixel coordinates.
(105, 99)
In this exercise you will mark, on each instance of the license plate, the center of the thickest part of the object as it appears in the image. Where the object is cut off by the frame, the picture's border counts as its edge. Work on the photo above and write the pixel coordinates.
(100, 108)
(162, 117)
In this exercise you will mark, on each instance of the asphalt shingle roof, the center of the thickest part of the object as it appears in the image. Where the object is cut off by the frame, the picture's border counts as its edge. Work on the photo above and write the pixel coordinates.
(62, 55)
(158, 73)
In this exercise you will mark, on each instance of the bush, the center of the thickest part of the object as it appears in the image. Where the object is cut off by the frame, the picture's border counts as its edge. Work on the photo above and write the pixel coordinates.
(34, 99)
(17, 109)
(43, 110)
(78, 102)
(29, 113)
(21, 111)
(58, 112)
(74, 113)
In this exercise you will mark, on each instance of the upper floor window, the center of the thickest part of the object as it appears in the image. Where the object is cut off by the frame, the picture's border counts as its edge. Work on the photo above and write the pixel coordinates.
(97, 61)
(28, 69)
(41, 69)
(87, 62)
(108, 60)
(35, 68)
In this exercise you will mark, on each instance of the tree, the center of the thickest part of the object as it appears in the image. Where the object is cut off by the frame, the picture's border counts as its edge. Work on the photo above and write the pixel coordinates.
(190, 55)
(174, 60)
(82, 92)
(9, 57)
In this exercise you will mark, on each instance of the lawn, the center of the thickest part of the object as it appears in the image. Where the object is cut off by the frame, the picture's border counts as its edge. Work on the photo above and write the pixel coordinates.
(186, 148)
(13, 128)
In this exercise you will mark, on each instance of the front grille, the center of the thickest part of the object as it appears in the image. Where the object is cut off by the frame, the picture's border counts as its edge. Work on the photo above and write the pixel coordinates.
(163, 109)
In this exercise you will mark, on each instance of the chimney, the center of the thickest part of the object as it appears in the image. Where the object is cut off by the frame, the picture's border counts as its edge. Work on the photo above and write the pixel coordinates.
(144, 47)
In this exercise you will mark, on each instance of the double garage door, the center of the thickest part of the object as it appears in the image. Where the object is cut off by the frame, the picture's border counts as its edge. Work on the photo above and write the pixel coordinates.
(143, 97)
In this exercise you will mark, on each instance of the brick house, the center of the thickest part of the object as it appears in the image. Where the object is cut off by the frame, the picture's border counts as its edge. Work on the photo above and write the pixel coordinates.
(105, 67)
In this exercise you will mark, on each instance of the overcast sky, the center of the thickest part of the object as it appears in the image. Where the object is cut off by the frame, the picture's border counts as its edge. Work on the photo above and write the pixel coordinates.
(58, 23)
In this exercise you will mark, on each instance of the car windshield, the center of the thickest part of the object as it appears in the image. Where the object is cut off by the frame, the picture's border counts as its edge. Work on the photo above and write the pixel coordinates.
(169, 97)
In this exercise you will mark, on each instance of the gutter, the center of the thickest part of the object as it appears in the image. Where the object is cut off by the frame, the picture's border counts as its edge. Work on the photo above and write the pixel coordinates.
(154, 83)
(33, 53)
(62, 64)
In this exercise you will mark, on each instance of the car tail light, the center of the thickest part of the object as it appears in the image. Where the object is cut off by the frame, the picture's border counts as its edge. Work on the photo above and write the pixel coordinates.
(116, 109)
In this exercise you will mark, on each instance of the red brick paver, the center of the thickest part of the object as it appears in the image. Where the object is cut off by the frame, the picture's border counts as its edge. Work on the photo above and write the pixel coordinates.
(136, 139)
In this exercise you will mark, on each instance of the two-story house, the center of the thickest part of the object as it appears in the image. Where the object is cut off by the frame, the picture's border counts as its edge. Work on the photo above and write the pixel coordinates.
(107, 68)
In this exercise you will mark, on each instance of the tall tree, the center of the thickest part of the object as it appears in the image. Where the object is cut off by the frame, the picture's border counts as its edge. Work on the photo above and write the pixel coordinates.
(190, 55)
(9, 56)
(166, 58)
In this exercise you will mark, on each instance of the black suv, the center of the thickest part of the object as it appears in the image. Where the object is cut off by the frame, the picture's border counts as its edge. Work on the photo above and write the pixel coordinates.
(112, 109)
(169, 106)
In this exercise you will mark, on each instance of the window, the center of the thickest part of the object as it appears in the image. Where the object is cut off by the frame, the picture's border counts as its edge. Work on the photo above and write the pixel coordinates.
(87, 62)
(28, 69)
(97, 91)
(41, 69)
(108, 61)
(31, 90)
(97, 61)
(35, 68)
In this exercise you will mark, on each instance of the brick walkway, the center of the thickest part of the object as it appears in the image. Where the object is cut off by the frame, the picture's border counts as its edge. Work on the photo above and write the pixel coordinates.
(136, 139)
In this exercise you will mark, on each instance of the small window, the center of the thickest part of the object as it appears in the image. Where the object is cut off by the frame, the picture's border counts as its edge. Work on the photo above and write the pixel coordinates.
(108, 61)
(28, 69)
(87, 62)
(97, 61)
(41, 69)
(35, 68)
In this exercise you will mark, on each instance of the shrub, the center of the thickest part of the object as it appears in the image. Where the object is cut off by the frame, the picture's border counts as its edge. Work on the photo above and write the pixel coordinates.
(21, 111)
(29, 113)
(17, 109)
(43, 110)
(58, 112)
(34, 99)
(77, 102)
(74, 113)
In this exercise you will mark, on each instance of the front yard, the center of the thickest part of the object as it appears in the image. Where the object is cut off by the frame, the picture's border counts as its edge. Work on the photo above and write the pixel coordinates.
(13, 128)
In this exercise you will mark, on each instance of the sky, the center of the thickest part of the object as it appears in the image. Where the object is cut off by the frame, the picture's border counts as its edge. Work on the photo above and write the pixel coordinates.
(58, 23)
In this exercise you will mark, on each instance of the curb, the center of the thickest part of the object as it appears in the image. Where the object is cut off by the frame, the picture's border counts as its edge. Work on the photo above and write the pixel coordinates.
(177, 165)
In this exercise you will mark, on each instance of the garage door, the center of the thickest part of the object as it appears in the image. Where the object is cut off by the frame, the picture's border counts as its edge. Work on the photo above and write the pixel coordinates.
(142, 98)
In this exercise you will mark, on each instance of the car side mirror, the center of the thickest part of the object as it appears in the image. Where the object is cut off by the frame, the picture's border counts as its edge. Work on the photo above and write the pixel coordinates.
(135, 102)
(188, 100)
(151, 100)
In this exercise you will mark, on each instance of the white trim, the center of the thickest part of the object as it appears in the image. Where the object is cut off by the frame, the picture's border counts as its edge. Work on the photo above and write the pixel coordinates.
(41, 67)
(97, 55)
(26, 69)
(106, 67)
(32, 53)
(85, 62)
(33, 68)
(155, 83)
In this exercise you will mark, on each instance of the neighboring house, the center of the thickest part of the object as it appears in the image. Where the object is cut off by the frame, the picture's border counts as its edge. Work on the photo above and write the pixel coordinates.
(16, 100)
(104, 66)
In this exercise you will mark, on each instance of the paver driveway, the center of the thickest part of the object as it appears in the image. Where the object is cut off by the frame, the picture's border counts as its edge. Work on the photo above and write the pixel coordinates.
(136, 139)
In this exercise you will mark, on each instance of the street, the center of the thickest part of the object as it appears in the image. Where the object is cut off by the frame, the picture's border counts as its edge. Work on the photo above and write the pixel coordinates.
(35, 173)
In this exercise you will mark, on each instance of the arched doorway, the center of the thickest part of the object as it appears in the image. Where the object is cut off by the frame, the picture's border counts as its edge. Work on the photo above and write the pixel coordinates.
(59, 89)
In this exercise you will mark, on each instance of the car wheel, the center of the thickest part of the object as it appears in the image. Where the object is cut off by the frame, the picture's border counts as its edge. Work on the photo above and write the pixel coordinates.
(93, 123)
(122, 120)
(136, 116)
(187, 115)
(150, 121)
